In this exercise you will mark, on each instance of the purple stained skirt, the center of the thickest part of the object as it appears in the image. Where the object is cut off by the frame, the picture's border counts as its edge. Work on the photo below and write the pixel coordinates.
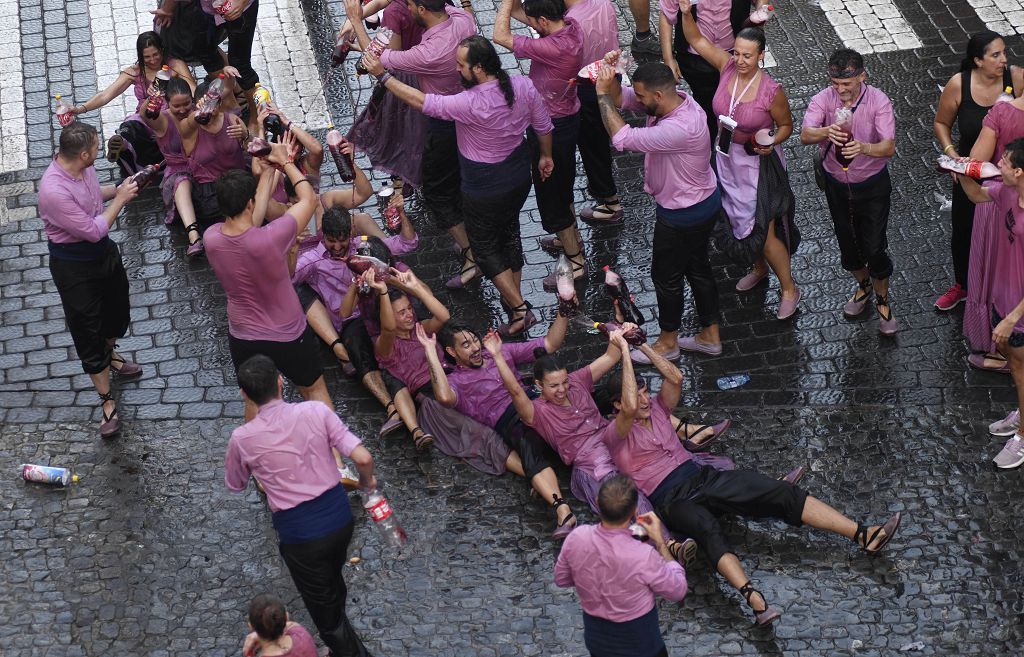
(462, 437)
(981, 277)
(391, 133)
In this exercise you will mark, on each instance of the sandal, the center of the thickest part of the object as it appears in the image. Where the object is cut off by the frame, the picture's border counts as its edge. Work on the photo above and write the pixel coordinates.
(702, 446)
(422, 439)
(127, 368)
(392, 422)
(195, 246)
(550, 283)
(602, 214)
(888, 530)
(766, 615)
(111, 424)
(468, 265)
(347, 368)
(855, 306)
(527, 320)
(886, 324)
(568, 523)
(115, 146)
(683, 551)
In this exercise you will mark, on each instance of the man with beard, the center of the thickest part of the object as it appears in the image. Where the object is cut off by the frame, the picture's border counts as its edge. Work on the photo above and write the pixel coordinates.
(491, 117)
(476, 389)
(322, 278)
(678, 174)
(432, 60)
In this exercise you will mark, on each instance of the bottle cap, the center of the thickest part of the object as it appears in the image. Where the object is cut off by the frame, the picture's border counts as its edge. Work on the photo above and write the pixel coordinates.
(605, 268)
(74, 478)
(57, 97)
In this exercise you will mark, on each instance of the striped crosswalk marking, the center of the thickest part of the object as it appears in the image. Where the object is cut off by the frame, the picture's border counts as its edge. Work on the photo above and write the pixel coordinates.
(13, 141)
(875, 26)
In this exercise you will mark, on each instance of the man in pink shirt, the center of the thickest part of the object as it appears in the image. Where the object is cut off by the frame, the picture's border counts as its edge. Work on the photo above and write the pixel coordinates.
(433, 62)
(855, 154)
(251, 263)
(85, 263)
(678, 174)
(554, 64)
(689, 498)
(619, 578)
(288, 449)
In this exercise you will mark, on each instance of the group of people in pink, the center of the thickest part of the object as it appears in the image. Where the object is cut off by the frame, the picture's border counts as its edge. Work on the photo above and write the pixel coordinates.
(302, 268)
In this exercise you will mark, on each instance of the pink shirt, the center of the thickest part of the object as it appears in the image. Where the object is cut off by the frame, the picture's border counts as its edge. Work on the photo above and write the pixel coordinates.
(71, 208)
(713, 20)
(488, 130)
(554, 64)
(253, 270)
(1007, 249)
(302, 642)
(873, 121)
(677, 167)
(1008, 123)
(616, 576)
(600, 31)
(287, 447)
(751, 115)
(408, 363)
(479, 392)
(398, 19)
(432, 60)
(648, 455)
(575, 430)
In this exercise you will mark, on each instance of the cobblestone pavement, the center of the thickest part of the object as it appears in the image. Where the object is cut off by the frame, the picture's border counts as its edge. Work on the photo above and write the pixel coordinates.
(150, 555)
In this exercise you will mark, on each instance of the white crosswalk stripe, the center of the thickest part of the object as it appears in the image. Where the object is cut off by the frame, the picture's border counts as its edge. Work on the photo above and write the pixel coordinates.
(870, 25)
(13, 141)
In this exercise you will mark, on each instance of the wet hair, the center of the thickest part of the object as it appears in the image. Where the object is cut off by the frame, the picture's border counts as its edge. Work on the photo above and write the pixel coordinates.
(616, 499)
(1015, 153)
(337, 222)
(446, 335)
(613, 387)
(178, 87)
(480, 52)
(76, 138)
(845, 63)
(435, 6)
(145, 40)
(267, 614)
(257, 377)
(553, 10)
(976, 47)
(546, 364)
(654, 76)
(234, 189)
(755, 34)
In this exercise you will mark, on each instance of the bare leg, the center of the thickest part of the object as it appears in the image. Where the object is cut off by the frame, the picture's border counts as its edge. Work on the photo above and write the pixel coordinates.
(546, 483)
(320, 321)
(374, 382)
(666, 342)
(641, 10)
(406, 409)
(101, 381)
(709, 335)
(514, 464)
(508, 286)
(469, 268)
(819, 515)
(731, 569)
(881, 287)
(317, 392)
(183, 204)
(363, 224)
(778, 257)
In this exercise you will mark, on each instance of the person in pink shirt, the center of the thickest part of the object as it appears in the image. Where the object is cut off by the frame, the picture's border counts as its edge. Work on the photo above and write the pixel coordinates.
(858, 188)
(85, 263)
(290, 450)
(618, 578)
(554, 64)
(273, 634)
(678, 174)
(490, 118)
(689, 498)
(251, 263)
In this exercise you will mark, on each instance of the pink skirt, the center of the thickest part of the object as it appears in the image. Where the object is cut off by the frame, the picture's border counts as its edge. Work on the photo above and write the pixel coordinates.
(980, 278)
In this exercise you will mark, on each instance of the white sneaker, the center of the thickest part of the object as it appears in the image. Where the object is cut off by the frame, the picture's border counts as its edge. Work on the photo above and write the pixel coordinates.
(1012, 455)
(1007, 426)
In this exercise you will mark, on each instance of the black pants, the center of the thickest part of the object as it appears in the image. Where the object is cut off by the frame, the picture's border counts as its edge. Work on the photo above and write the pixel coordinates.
(96, 308)
(860, 216)
(192, 36)
(595, 145)
(555, 195)
(535, 454)
(703, 80)
(679, 253)
(241, 32)
(962, 216)
(140, 150)
(316, 569)
(298, 360)
(693, 508)
(492, 225)
(441, 176)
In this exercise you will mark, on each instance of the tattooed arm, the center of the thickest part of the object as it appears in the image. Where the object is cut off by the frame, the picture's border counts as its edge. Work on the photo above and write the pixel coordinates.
(609, 94)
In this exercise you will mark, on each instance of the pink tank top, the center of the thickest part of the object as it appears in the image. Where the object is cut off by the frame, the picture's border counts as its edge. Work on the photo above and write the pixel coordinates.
(214, 154)
(750, 116)
(171, 148)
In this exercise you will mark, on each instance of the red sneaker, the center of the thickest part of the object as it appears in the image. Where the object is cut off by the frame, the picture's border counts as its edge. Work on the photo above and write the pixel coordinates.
(953, 297)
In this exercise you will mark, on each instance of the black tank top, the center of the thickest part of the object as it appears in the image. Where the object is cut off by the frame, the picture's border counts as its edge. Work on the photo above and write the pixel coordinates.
(970, 114)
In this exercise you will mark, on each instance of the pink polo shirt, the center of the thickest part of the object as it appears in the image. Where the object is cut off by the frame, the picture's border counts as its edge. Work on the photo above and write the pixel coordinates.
(713, 20)
(398, 19)
(287, 447)
(487, 129)
(600, 31)
(873, 121)
(647, 454)
(479, 391)
(677, 166)
(71, 208)
(616, 576)
(575, 430)
(432, 60)
(253, 270)
(554, 64)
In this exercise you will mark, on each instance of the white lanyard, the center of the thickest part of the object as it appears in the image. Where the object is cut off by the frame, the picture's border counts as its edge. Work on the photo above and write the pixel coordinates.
(733, 101)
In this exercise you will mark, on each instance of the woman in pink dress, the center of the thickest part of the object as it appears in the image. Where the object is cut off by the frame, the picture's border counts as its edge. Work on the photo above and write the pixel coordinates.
(756, 195)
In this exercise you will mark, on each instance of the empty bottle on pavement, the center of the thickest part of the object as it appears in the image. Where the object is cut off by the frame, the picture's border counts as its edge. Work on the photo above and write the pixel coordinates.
(335, 141)
(384, 519)
(210, 101)
(735, 381)
(45, 474)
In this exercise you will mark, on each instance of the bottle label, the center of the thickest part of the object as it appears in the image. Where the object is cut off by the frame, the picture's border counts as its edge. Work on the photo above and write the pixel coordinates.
(380, 511)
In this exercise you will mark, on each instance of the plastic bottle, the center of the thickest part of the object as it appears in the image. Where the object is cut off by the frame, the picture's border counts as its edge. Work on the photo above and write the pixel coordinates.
(363, 248)
(392, 213)
(568, 305)
(968, 167)
(210, 101)
(639, 532)
(591, 70)
(617, 289)
(258, 147)
(341, 49)
(45, 474)
(64, 113)
(360, 263)
(154, 104)
(272, 124)
(843, 119)
(764, 138)
(148, 175)
(384, 519)
(634, 336)
(223, 7)
(759, 16)
(346, 169)
(163, 77)
(734, 381)
(380, 41)
(1006, 96)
